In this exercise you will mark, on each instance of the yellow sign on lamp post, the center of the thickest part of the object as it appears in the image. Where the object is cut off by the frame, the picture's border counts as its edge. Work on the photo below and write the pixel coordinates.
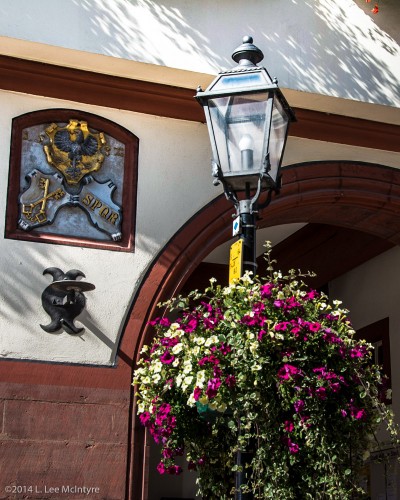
(236, 260)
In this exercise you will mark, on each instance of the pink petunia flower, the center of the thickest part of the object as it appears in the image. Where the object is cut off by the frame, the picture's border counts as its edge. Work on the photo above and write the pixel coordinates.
(167, 358)
(212, 387)
(289, 426)
(287, 372)
(298, 405)
(196, 393)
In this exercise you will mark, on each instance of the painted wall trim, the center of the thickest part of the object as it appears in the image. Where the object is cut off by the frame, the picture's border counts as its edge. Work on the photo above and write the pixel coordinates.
(31, 77)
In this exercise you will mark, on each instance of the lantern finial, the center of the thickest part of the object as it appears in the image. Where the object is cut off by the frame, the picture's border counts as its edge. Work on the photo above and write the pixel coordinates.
(247, 54)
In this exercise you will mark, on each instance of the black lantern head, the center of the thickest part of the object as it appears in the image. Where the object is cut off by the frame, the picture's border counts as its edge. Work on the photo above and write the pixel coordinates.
(248, 119)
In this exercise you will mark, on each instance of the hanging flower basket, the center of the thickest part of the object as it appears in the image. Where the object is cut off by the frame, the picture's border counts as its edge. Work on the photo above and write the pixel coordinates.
(276, 360)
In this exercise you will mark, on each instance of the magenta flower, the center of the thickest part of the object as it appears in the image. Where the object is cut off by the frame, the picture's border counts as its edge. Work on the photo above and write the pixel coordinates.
(314, 327)
(292, 302)
(298, 405)
(287, 372)
(322, 370)
(197, 393)
(293, 447)
(208, 307)
(145, 418)
(230, 381)
(167, 453)
(266, 290)
(281, 327)
(261, 334)
(212, 387)
(335, 386)
(167, 358)
(357, 413)
(312, 294)
(169, 342)
(217, 372)
(164, 409)
(258, 308)
(321, 393)
(212, 359)
(358, 351)
(160, 321)
(191, 323)
(169, 382)
(161, 468)
(225, 349)
(295, 330)
(210, 323)
(174, 470)
(256, 320)
(331, 338)
(289, 426)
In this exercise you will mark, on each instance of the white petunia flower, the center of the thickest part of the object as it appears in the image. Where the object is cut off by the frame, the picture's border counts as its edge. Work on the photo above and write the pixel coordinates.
(211, 340)
(177, 348)
(156, 366)
(191, 401)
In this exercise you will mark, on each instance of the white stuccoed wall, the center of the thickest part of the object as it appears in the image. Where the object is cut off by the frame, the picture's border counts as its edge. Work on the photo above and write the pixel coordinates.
(172, 185)
(174, 182)
(329, 47)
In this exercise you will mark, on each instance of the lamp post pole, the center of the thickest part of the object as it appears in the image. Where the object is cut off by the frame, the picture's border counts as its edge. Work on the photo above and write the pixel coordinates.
(247, 119)
(248, 235)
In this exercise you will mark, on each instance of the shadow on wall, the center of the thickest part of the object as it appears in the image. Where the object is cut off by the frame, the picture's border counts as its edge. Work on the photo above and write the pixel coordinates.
(331, 47)
(21, 291)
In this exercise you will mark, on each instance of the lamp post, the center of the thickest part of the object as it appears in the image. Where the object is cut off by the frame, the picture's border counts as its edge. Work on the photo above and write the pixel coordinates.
(248, 119)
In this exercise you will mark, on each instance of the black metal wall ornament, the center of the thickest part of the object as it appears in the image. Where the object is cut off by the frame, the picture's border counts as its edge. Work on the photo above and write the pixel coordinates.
(63, 300)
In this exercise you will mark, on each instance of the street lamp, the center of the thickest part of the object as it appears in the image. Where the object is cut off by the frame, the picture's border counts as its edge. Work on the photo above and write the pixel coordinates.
(248, 119)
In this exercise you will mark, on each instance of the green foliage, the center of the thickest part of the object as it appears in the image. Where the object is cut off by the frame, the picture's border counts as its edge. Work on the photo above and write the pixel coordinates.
(267, 366)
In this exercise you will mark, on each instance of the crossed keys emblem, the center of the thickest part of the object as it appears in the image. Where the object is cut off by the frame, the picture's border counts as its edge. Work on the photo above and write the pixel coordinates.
(46, 196)
(36, 211)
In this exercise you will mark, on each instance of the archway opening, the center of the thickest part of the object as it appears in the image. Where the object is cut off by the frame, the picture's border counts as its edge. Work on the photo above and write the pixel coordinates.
(348, 208)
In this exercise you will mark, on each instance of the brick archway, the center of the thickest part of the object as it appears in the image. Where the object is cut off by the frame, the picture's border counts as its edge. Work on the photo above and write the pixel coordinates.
(354, 195)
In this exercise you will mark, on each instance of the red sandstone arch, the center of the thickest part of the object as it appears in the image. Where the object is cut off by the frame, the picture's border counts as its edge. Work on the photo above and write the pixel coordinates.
(355, 195)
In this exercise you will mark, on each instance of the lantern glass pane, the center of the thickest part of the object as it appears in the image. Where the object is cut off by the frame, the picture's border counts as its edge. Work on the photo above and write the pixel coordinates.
(279, 126)
(242, 81)
(238, 123)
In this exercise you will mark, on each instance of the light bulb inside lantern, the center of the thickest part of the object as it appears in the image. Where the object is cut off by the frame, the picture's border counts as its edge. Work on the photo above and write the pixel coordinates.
(246, 146)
